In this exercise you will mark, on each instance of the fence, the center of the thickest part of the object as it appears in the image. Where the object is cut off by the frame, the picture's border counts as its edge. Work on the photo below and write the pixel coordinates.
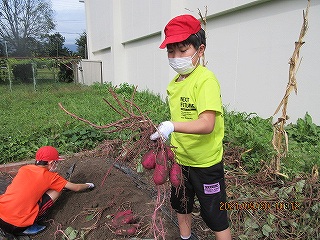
(14, 71)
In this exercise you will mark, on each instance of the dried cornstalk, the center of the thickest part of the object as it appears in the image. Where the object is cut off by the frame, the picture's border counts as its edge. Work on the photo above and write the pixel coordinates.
(204, 22)
(280, 137)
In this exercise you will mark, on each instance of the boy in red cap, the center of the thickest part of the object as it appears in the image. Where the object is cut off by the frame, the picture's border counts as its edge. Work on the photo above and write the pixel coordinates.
(33, 190)
(196, 128)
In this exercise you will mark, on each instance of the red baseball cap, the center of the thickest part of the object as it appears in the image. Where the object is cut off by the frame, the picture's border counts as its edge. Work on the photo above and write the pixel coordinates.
(180, 28)
(47, 154)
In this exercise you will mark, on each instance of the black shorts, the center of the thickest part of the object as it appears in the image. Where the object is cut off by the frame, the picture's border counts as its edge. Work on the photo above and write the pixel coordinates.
(44, 204)
(209, 186)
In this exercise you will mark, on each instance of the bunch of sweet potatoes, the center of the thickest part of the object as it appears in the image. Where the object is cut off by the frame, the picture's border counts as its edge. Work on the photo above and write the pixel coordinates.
(164, 166)
(124, 223)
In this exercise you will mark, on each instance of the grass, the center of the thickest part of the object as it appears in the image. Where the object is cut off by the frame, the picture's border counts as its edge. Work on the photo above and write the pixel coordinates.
(45, 73)
(27, 111)
(30, 119)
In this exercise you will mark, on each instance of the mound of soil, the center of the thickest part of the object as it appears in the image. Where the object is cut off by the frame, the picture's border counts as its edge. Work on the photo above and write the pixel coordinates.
(90, 213)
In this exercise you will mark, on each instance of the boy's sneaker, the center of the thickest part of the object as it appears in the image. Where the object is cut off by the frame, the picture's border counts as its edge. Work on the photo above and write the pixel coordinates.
(34, 229)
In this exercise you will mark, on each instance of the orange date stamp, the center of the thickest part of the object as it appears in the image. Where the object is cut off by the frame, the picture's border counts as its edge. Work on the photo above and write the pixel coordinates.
(260, 205)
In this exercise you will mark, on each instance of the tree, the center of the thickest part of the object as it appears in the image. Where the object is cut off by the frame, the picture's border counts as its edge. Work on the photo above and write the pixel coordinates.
(23, 23)
(2, 49)
(53, 46)
(81, 43)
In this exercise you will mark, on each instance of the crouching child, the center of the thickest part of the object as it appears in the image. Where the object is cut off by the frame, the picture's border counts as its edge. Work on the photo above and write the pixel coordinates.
(32, 192)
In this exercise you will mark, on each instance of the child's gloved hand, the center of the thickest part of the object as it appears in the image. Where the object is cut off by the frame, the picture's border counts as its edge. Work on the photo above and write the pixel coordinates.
(90, 185)
(165, 129)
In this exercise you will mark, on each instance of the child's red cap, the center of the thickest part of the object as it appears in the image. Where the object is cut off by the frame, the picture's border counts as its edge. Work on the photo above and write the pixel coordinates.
(47, 153)
(180, 28)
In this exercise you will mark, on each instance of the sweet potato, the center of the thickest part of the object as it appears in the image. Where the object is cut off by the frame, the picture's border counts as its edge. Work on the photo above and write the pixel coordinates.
(149, 160)
(125, 230)
(162, 157)
(122, 213)
(161, 171)
(122, 218)
(170, 154)
(176, 176)
(160, 174)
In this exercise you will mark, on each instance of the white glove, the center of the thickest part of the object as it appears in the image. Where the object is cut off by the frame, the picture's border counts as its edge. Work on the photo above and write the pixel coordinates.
(90, 185)
(165, 129)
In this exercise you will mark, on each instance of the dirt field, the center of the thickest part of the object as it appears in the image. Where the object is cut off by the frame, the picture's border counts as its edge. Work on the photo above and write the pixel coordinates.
(88, 215)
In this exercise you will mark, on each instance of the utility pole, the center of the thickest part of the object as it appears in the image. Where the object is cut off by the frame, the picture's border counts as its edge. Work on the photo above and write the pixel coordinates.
(5, 44)
(8, 65)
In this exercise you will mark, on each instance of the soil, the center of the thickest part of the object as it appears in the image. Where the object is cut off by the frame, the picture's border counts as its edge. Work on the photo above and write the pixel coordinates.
(88, 214)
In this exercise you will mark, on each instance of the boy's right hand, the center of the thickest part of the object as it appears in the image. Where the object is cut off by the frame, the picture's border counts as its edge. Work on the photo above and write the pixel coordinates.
(164, 129)
(90, 185)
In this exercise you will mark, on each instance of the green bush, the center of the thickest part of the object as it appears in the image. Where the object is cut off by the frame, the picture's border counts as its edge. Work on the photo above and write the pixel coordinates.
(23, 73)
(251, 133)
(66, 72)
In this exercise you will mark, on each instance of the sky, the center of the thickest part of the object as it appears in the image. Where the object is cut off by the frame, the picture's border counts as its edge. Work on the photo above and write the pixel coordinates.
(69, 17)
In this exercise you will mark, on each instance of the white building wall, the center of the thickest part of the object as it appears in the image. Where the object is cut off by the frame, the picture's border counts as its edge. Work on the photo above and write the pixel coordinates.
(249, 44)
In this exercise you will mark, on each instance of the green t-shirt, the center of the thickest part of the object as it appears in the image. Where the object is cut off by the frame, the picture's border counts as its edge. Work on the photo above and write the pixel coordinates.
(199, 92)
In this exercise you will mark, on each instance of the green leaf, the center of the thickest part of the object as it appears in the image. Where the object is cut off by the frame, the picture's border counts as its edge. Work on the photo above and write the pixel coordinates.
(315, 207)
(83, 132)
(139, 168)
(288, 190)
(282, 193)
(89, 217)
(249, 223)
(74, 138)
(243, 237)
(299, 186)
(68, 230)
(71, 233)
(293, 223)
(270, 219)
(306, 216)
(82, 235)
(266, 230)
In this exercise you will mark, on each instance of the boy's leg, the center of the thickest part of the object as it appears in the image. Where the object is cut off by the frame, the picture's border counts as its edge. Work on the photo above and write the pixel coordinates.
(46, 202)
(223, 235)
(54, 195)
(184, 221)
(182, 200)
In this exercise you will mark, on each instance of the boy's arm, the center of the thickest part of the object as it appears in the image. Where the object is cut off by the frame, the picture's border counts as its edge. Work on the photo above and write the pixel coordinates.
(78, 186)
(203, 125)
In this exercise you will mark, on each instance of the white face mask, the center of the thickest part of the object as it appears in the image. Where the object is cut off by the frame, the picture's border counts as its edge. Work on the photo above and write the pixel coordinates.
(183, 65)
(53, 167)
